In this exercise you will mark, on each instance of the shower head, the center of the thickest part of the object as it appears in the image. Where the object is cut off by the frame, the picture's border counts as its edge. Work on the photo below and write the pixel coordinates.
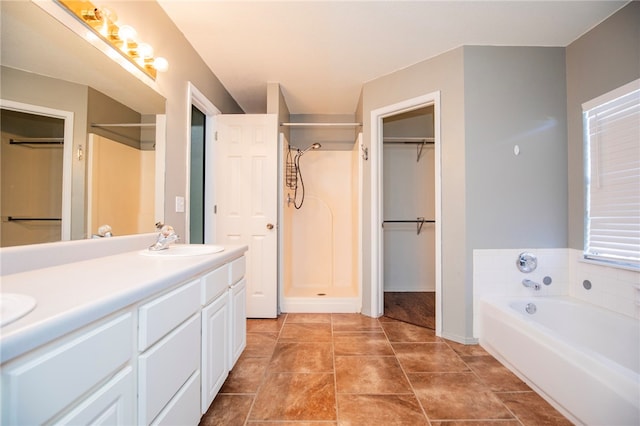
(314, 146)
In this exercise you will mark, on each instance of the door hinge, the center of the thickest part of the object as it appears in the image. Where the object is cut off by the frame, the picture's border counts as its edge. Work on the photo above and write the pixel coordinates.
(215, 209)
(215, 135)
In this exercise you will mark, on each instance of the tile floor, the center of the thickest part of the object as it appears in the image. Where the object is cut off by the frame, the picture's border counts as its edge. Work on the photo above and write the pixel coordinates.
(349, 369)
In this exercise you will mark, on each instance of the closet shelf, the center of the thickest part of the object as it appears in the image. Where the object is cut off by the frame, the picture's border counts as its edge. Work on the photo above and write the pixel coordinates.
(420, 221)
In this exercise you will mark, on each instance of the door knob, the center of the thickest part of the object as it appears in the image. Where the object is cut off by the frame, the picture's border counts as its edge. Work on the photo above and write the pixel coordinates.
(269, 225)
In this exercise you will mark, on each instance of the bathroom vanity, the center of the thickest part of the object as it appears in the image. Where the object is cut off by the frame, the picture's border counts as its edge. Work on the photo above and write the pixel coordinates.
(121, 338)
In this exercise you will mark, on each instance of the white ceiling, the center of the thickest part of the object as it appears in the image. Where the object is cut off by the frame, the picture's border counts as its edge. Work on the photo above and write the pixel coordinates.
(321, 52)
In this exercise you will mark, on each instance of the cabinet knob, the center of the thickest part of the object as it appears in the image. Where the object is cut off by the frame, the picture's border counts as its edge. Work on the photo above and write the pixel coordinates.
(269, 225)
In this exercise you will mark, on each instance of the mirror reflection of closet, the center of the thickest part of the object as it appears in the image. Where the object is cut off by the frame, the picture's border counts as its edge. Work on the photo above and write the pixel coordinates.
(31, 153)
(409, 213)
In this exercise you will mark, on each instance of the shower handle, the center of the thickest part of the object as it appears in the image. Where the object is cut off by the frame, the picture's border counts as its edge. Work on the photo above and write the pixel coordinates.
(269, 225)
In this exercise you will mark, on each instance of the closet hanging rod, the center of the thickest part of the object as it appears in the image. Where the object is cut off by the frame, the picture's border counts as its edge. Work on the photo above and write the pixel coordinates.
(408, 221)
(420, 221)
(408, 140)
(123, 124)
(321, 124)
(37, 141)
(24, 219)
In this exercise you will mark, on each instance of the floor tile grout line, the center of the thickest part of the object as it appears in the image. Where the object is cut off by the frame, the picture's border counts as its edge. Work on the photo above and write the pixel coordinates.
(413, 391)
(486, 385)
(335, 374)
(265, 373)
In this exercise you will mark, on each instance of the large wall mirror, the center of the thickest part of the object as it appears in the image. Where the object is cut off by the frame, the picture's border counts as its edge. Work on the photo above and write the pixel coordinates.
(82, 138)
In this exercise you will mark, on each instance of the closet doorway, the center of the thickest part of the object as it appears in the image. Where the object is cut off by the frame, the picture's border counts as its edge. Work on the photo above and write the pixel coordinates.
(409, 216)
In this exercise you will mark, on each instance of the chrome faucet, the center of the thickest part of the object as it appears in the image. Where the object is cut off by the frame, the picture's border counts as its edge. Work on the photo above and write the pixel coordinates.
(103, 231)
(166, 236)
(531, 284)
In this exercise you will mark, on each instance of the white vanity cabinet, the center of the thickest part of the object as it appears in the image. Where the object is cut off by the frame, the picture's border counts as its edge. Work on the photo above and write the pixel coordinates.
(169, 341)
(238, 311)
(126, 350)
(84, 378)
(216, 330)
(223, 326)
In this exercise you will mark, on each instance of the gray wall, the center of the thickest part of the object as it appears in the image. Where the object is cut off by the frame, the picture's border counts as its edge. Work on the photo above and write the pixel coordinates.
(444, 73)
(515, 96)
(185, 65)
(605, 58)
(491, 99)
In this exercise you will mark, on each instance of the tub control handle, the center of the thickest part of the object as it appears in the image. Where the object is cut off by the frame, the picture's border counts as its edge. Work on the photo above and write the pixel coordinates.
(527, 262)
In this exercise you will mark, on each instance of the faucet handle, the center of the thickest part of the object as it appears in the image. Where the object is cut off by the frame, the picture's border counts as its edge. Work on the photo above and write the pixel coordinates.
(527, 262)
(167, 231)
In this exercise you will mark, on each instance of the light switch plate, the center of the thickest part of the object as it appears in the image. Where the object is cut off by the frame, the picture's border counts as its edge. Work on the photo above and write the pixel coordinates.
(179, 204)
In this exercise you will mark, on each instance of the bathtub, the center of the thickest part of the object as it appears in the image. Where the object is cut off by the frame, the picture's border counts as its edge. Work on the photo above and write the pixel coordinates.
(582, 359)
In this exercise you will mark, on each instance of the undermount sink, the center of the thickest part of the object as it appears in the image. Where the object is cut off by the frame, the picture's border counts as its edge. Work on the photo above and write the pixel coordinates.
(14, 306)
(184, 250)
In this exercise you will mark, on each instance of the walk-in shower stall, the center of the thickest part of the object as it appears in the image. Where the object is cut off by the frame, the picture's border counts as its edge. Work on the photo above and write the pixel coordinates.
(321, 186)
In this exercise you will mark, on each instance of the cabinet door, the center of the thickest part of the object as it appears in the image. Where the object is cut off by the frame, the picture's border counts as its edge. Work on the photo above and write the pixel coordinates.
(237, 298)
(215, 347)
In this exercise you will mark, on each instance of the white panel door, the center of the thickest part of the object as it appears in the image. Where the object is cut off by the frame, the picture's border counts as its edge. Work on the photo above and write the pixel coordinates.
(247, 191)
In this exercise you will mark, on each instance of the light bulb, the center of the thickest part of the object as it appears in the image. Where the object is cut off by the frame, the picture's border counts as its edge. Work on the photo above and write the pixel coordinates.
(127, 32)
(145, 50)
(161, 64)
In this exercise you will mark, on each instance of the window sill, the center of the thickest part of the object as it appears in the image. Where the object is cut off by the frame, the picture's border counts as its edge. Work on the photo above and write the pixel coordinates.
(610, 264)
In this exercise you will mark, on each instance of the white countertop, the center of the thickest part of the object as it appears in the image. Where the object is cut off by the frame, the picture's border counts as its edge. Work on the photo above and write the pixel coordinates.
(72, 295)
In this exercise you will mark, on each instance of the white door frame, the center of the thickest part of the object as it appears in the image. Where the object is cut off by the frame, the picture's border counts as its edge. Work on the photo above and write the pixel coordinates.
(67, 153)
(377, 240)
(200, 101)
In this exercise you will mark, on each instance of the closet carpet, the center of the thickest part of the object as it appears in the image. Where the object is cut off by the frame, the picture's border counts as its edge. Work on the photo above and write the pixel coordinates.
(417, 308)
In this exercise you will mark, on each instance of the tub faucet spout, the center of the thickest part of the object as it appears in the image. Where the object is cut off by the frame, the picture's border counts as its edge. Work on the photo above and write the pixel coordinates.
(531, 284)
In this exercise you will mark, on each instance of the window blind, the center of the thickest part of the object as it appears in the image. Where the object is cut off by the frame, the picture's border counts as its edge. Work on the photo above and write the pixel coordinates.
(612, 126)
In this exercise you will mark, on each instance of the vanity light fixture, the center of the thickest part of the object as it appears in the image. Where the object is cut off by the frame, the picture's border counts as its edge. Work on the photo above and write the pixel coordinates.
(102, 22)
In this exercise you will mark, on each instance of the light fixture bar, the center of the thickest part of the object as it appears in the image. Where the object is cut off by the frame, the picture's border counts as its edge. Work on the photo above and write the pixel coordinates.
(100, 22)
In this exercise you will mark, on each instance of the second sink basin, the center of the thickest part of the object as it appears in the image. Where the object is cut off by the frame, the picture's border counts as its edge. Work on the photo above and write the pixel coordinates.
(179, 250)
(14, 306)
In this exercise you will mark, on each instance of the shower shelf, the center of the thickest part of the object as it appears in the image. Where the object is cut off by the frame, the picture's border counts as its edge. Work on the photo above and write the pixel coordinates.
(418, 221)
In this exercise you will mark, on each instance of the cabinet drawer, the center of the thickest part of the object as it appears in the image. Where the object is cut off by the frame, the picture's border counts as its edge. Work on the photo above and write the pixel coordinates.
(113, 404)
(184, 408)
(163, 314)
(165, 367)
(238, 268)
(214, 284)
(70, 370)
